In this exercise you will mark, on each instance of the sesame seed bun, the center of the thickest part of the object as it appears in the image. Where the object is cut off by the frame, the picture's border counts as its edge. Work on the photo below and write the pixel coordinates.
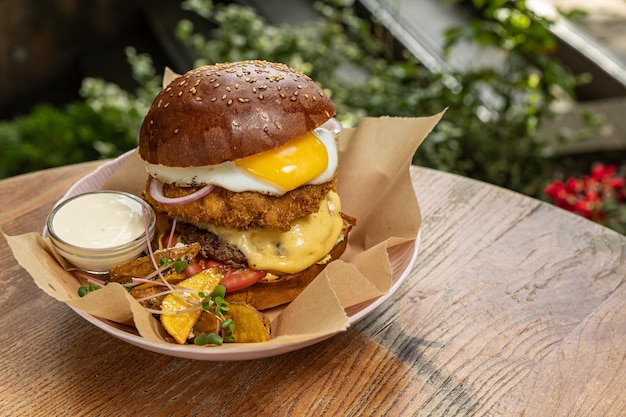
(227, 111)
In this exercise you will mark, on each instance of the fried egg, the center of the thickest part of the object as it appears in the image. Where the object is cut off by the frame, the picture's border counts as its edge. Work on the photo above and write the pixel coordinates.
(309, 159)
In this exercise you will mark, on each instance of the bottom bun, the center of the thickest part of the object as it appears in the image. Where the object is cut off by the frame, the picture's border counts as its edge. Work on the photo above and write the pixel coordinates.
(266, 294)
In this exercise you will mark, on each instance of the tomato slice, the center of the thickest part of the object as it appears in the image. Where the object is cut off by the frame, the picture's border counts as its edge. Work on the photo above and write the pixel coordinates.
(238, 280)
(165, 239)
(192, 269)
(206, 263)
(234, 279)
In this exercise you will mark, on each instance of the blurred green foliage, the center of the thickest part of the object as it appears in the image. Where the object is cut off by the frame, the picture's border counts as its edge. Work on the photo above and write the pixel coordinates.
(103, 125)
(490, 131)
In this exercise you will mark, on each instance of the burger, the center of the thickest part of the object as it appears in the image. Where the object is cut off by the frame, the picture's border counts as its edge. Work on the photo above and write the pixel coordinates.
(242, 159)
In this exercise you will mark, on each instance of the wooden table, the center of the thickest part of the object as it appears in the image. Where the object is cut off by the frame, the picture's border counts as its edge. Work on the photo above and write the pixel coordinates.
(514, 308)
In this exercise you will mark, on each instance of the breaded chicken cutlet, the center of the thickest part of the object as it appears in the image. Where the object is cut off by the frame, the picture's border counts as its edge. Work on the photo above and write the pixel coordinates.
(244, 210)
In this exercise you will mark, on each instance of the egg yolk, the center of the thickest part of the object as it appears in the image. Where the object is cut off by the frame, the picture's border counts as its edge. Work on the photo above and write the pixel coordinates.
(291, 165)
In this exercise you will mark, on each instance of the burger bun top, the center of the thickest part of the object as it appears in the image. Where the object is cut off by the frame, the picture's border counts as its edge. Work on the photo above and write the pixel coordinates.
(227, 111)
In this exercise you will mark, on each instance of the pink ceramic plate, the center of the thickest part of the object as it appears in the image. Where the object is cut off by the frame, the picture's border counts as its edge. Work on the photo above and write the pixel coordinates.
(402, 257)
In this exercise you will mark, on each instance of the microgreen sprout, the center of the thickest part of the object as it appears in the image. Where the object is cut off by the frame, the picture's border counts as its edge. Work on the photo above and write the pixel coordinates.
(219, 291)
(215, 304)
(179, 265)
(92, 283)
(208, 339)
(86, 289)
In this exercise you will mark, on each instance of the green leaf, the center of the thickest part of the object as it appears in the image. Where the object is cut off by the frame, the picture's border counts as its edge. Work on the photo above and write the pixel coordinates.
(208, 339)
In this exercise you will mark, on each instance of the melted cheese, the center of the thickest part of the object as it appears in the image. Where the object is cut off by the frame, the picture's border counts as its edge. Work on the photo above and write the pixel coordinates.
(309, 240)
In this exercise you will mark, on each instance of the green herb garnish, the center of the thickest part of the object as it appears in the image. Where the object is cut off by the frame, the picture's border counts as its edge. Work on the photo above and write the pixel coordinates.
(208, 339)
(179, 265)
(215, 304)
(86, 289)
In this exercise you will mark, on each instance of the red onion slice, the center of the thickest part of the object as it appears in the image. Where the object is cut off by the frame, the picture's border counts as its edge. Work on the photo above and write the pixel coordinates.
(333, 125)
(156, 191)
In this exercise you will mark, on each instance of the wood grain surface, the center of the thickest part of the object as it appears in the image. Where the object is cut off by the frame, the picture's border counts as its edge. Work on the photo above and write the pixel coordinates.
(515, 308)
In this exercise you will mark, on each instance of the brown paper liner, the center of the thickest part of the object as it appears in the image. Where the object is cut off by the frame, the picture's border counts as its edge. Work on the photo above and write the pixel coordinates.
(375, 187)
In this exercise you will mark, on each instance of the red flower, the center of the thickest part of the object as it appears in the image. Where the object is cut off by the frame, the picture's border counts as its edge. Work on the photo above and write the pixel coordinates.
(591, 196)
(581, 207)
(574, 185)
(556, 190)
(601, 171)
(616, 183)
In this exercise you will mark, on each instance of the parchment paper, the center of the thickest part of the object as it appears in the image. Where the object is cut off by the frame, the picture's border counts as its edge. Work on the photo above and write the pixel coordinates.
(374, 185)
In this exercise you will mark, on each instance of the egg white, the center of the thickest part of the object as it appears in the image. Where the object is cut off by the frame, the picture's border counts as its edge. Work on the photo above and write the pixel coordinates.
(227, 175)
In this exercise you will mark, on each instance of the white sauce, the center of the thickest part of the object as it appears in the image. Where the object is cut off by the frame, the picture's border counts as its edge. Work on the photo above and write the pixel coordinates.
(100, 220)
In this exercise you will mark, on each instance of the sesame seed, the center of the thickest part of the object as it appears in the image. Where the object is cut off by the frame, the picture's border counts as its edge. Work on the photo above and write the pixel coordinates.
(192, 90)
(159, 104)
(243, 100)
(180, 93)
(279, 126)
(299, 87)
(293, 98)
(236, 123)
(224, 97)
(197, 82)
(236, 86)
(228, 89)
(176, 130)
(216, 85)
(282, 95)
(306, 95)
(214, 99)
(166, 104)
(198, 98)
(229, 102)
(265, 116)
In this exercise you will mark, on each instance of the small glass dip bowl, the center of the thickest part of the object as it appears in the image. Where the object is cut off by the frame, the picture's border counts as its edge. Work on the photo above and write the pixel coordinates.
(99, 230)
